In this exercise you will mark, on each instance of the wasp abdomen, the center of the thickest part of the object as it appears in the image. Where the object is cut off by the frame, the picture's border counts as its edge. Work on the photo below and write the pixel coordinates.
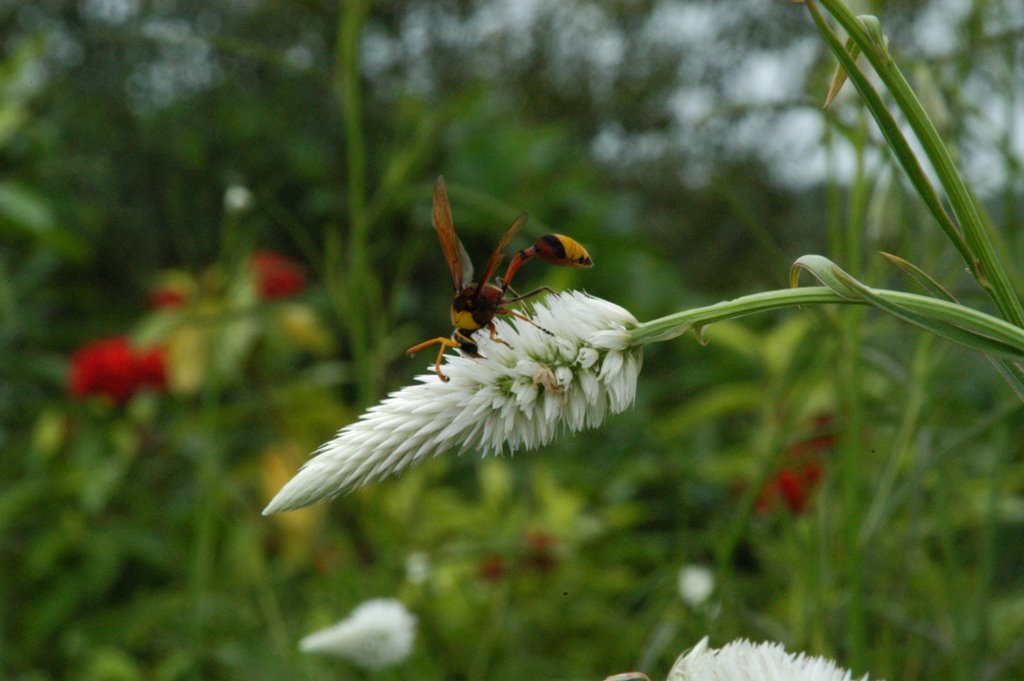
(554, 249)
(561, 250)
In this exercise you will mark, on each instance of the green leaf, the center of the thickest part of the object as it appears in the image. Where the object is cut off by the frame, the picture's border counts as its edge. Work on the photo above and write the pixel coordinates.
(1010, 371)
(22, 209)
(839, 77)
(957, 334)
(960, 324)
(920, 276)
(717, 403)
(822, 269)
(892, 132)
(24, 213)
(12, 118)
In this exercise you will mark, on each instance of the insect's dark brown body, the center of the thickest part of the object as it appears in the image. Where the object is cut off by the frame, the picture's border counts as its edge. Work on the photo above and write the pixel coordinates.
(472, 310)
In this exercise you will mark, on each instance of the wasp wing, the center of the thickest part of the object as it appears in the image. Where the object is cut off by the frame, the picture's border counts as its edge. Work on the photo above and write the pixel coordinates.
(467, 264)
(499, 252)
(454, 252)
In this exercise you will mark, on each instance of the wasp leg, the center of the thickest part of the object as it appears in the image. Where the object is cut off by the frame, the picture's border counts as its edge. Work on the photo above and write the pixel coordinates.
(505, 310)
(445, 343)
(494, 335)
(437, 365)
(531, 294)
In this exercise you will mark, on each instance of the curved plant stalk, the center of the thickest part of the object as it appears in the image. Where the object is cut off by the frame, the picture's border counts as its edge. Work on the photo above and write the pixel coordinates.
(988, 270)
(955, 322)
(1001, 341)
(893, 135)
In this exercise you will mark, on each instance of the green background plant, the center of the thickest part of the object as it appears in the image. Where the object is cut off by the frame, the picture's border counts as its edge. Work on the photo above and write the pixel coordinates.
(131, 544)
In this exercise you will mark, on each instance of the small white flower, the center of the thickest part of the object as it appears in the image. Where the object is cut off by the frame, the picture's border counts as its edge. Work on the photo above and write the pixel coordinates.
(521, 396)
(237, 198)
(745, 661)
(378, 633)
(417, 567)
(696, 583)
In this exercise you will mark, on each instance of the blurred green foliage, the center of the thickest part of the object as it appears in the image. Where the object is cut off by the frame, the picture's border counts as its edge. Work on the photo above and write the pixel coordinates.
(131, 545)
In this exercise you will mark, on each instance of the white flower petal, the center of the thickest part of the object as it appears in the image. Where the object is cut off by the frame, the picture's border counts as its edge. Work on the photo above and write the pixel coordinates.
(587, 357)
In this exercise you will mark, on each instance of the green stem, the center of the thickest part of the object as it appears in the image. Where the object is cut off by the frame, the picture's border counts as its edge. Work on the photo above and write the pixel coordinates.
(989, 548)
(851, 409)
(990, 273)
(350, 24)
(358, 287)
(208, 512)
(673, 325)
(887, 125)
(851, 449)
(901, 451)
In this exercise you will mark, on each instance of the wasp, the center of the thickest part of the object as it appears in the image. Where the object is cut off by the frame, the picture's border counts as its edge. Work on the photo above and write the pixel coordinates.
(475, 304)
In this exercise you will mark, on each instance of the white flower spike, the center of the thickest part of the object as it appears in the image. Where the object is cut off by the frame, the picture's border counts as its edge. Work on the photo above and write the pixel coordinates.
(518, 397)
(745, 661)
(379, 633)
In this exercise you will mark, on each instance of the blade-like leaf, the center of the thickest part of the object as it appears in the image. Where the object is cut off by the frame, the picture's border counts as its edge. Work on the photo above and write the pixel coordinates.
(920, 276)
(822, 269)
(961, 324)
(1012, 372)
(974, 243)
(893, 134)
(958, 334)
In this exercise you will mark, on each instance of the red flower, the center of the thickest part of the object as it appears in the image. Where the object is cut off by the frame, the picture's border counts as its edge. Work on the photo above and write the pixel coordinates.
(114, 368)
(540, 551)
(165, 298)
(276, 276)
(794, 482)
(491, 568)
(794, 487)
